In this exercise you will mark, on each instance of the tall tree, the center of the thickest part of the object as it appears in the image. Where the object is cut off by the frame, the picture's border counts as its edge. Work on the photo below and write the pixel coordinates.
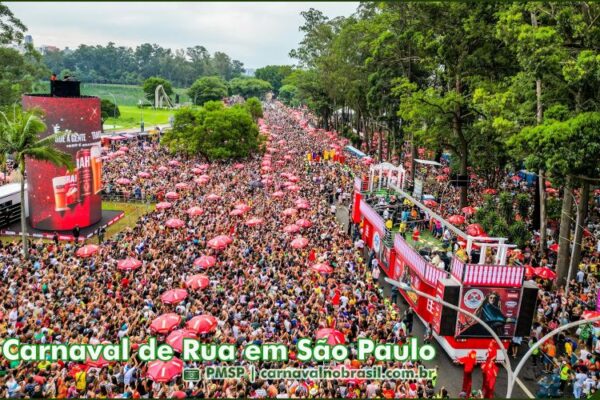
(20, 136)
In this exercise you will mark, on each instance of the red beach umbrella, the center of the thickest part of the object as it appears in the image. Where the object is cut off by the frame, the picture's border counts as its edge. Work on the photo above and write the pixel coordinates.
(165, 323)
(174, 296)
(333, 336)
(164, 371)
(175, 223)
(202, 324)
(175, 338)
(87, 251)
(129, 264)
(197, 282)
(205, 262)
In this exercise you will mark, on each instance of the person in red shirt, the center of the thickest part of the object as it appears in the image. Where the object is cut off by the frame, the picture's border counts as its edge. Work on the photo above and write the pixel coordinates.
(490, 373)
(469, 362)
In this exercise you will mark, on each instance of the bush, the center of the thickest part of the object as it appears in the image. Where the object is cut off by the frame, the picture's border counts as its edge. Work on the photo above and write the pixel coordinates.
(108, 109)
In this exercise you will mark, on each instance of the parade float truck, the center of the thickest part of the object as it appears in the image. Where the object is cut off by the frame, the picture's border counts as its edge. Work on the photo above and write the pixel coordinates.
(495, 292)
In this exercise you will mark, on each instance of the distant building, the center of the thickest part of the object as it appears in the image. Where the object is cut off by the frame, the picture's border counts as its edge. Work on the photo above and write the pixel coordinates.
(249, 72)
(45, 49)
(28, 39)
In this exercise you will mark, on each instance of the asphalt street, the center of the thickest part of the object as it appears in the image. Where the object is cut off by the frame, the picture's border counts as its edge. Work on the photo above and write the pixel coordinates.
(450, 375)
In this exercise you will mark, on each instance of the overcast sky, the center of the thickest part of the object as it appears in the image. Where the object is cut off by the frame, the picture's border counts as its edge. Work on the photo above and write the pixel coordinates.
(257, 34)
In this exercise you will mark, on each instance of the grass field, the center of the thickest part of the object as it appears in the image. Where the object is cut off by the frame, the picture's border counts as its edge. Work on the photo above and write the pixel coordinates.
(126, 95)
(131, 115)
(133, 211)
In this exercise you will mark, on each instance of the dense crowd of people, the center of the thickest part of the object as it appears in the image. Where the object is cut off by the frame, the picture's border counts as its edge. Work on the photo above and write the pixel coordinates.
(261, 288)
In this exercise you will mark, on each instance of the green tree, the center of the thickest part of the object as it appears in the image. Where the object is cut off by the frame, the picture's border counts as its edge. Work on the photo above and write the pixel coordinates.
(206, 89)
(11, 28)
(109, 109)
(215, 134)
(20, 136)
(18, 73)
(254, 107)
(287, 94)
(152, 83)
(249, 87)
(274, 74)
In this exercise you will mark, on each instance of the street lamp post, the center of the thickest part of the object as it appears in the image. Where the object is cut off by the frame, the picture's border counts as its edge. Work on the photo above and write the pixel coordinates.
(141, 104)
(521, 364)
(114, 111)
(505, 361)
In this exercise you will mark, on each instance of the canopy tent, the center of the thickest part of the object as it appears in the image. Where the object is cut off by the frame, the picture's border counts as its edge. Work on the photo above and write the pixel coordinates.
(354, 151)
(428, 162)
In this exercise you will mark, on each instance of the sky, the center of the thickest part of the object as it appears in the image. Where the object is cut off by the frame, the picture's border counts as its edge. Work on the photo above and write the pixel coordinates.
(257, 34)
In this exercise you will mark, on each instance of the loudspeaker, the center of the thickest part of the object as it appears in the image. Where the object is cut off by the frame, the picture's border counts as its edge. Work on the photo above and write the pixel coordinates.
(448, 316)
(527, 309)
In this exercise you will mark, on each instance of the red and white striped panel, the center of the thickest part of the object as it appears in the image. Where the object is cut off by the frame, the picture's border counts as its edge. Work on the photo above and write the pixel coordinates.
(458, 268)
(372, 216)
(357, 184)
(433, 274)
(493, 275)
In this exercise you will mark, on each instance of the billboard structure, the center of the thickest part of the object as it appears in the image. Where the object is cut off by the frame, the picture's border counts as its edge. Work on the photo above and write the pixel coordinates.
(60, 199)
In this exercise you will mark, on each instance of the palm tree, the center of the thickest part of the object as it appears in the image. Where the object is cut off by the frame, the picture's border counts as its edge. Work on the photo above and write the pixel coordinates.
(19, 136)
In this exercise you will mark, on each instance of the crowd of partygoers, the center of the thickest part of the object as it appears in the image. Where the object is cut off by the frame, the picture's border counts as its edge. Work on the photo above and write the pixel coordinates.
(242, 252)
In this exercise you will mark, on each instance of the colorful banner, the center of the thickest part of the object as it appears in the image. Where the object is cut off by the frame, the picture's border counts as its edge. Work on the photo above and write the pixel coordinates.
(498, 307)
(59, 199)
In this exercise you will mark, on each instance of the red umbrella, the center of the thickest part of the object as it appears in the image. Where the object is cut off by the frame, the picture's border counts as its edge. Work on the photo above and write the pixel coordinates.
(589, 314)
(293, 178)
(197, 282)
(288, 212)
(516, 178)
(553, 247)
(174, 296)
(333, 336)
(551, 191)
(237, 211)
(304, 223)
(129, 264)
(545, 273)
(322, 268)
(202, 324)
(529, 271)
(163, 205)
(441, 178)
(182, 186)
(172, 195)
(238, 166)
(468, 210)
(165, 371)
(123, 181)
(175, 223)
(179, 395)
(99, 363)
(242, 206)
(200, 182)
(175, 338)
(299, 243)
(490, 191)
(124, 148)
(254, 221)
(165, 323)
(163, 169)
(213, 197)
(456, 219)
(219, 242)
(278, 193)
(430, 203)
(303, 206)
(87, 251)
(367, 161)
(475, 230)
(294, 188)
(196, 171)
(144, 174)
(291, 228)
(195, 211)
(205, 262)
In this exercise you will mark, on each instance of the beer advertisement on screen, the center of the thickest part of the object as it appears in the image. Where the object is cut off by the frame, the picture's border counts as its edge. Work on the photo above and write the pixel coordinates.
(497, 307)
(60, 199)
